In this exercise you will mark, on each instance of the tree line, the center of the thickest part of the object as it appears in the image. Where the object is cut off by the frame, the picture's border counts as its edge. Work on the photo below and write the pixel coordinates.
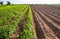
(8, 3)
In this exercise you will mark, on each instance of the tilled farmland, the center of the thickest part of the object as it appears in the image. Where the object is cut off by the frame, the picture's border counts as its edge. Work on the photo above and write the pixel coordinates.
(47, 21)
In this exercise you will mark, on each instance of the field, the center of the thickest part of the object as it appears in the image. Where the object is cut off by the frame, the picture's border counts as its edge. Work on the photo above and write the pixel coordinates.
(23, 21)
(47, 21)
(16, 22)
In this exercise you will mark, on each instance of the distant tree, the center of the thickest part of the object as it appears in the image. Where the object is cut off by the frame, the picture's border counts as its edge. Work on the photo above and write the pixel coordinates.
(8, 3)
(1, 3)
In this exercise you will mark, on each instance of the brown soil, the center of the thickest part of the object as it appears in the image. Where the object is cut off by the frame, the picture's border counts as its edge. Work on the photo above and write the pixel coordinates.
(47, 26)
(33, 26)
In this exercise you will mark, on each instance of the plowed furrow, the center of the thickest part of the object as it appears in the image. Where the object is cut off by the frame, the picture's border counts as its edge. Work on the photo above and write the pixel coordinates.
(56, 25)
(52, 11)
(48, 33)
(51, 17)
(52, 14)
(46, 21)
(39, 31)
(56, 31)
(56, 21)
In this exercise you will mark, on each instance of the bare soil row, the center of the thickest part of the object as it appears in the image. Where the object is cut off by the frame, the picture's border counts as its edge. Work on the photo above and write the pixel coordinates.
(47, 21)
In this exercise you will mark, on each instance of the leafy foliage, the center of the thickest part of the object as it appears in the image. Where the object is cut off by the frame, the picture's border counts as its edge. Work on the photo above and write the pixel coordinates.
(27, 32)
(1, 3)
(8, 3)
(9, 18)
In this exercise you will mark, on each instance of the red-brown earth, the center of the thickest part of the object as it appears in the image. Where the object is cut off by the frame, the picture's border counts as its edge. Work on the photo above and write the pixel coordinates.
(47, 21)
